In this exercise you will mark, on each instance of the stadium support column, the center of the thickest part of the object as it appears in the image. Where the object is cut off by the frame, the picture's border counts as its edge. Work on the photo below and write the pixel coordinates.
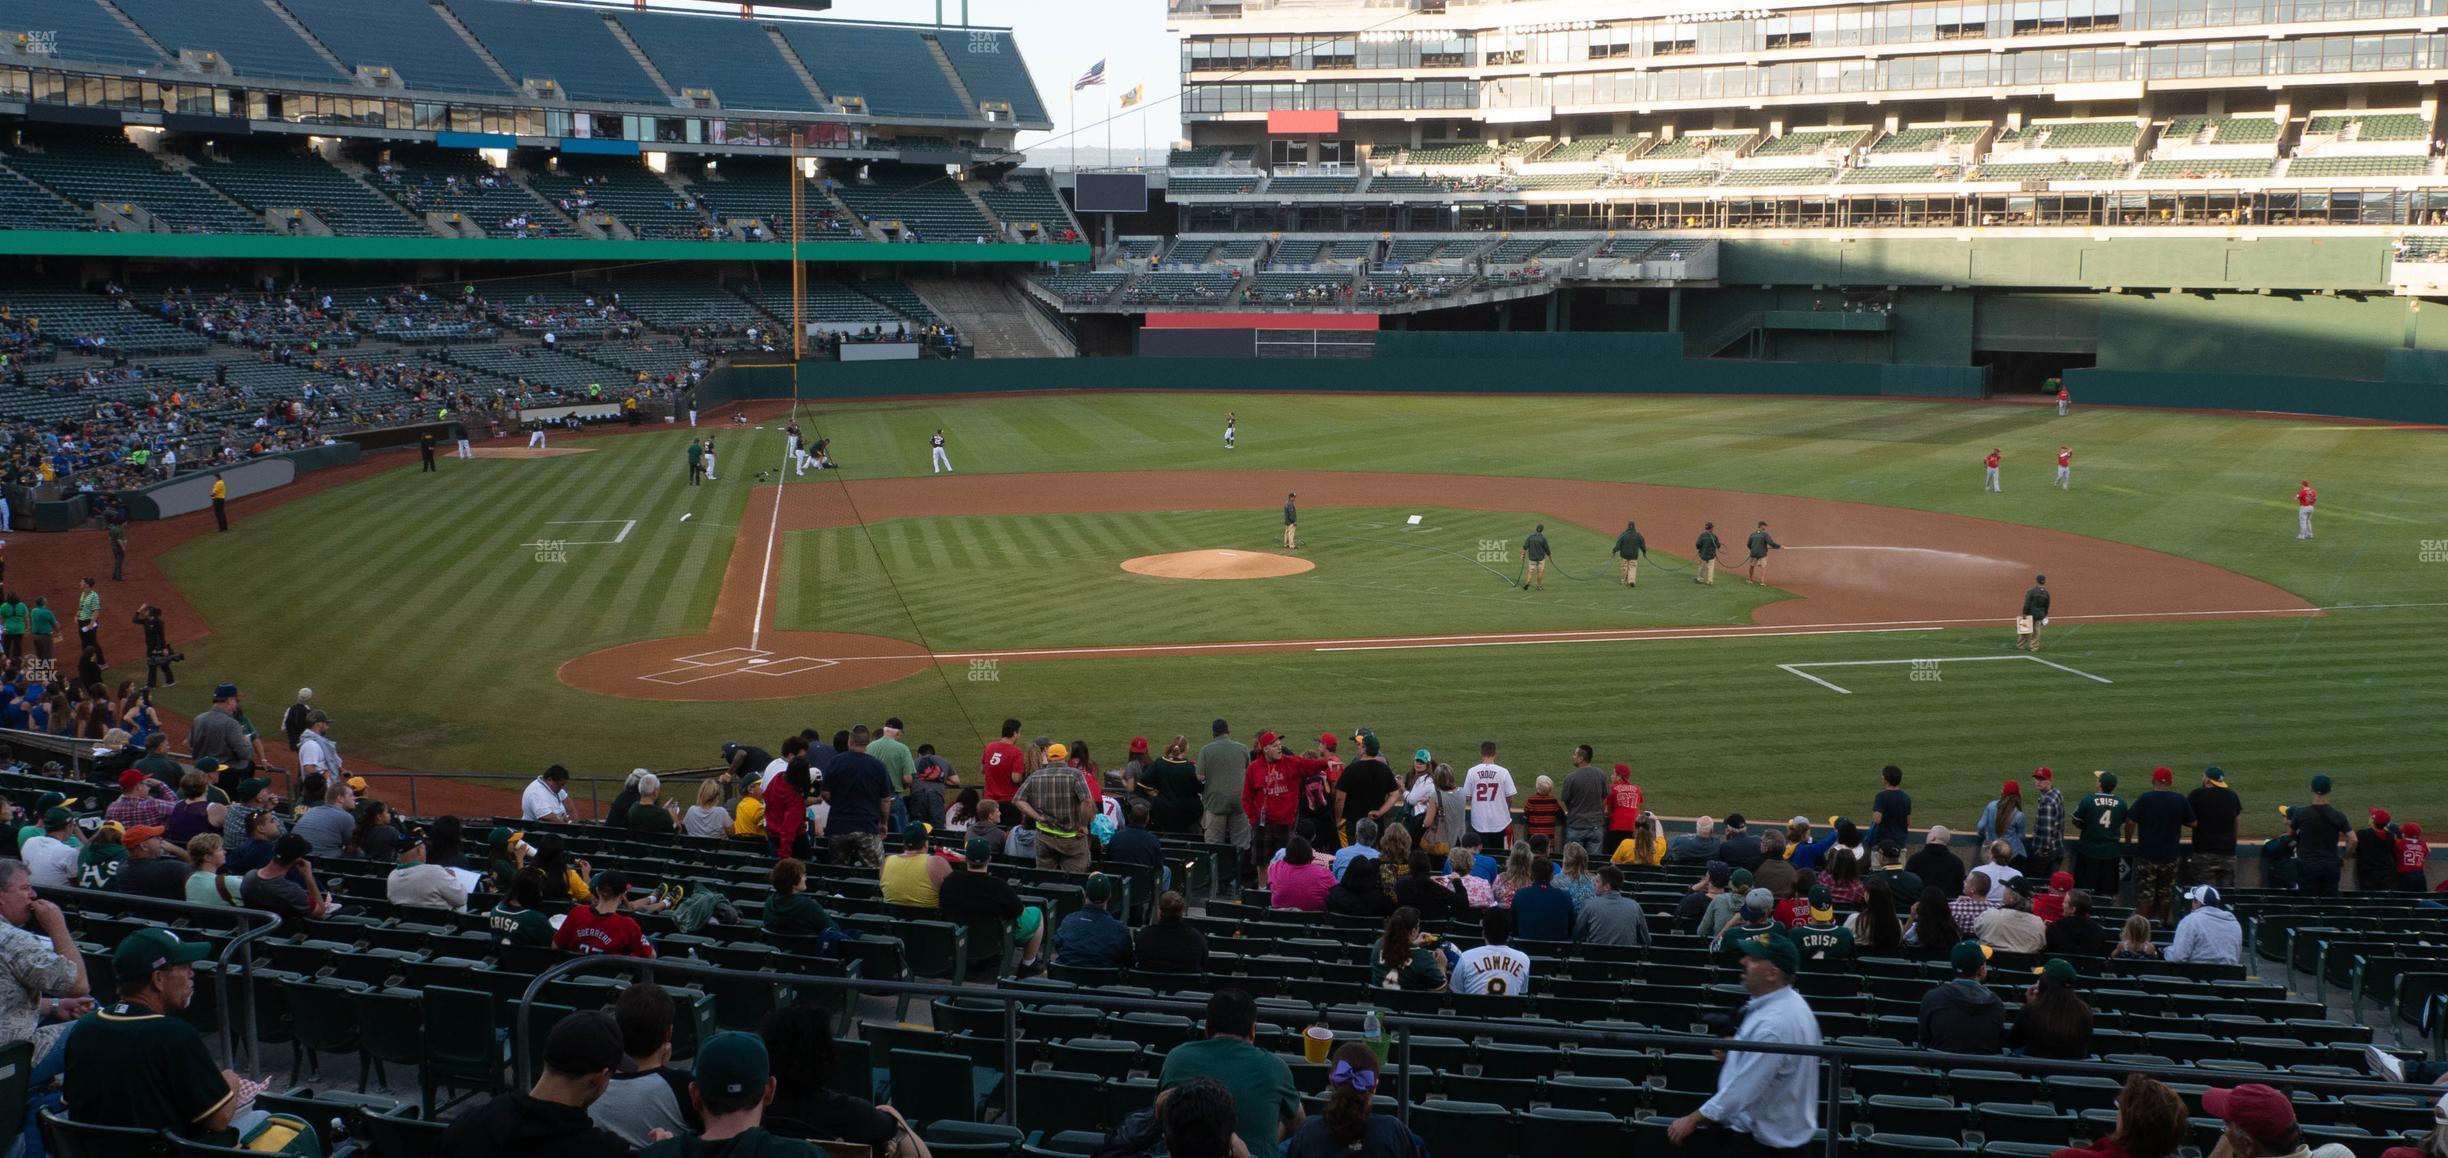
(1674, 310)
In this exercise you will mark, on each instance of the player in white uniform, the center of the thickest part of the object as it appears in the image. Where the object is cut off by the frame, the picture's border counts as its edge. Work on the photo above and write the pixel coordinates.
(709, 459)
(1489, 788)
(535, 438)
(1230, 422)
(1494, 969)
(943, 460)
(793, 454)
(2065, 468)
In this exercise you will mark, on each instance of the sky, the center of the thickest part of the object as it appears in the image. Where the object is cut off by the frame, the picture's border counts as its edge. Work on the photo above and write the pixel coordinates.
(1060, 39)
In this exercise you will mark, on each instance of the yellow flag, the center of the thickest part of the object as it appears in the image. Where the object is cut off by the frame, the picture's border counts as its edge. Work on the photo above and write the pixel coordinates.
(1137, 92)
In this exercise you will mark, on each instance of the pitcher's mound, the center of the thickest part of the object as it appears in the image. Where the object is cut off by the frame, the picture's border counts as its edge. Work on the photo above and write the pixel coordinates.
(1217, 565)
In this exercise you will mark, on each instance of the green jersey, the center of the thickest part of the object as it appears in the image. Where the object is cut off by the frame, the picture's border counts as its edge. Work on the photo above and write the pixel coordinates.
(41, 622)
(2098, 820)
(522, 926)
(13, 618)
(1824, 942)
(130, 1066)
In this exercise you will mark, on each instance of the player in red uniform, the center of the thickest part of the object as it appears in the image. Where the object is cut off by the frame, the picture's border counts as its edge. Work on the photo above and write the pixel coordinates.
(1992, 463)
(2065, 468)
(2064, 398)
(2304, 500)
(1003, 763)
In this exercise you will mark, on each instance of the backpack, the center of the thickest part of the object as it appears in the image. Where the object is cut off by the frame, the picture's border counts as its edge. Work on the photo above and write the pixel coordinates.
(701, 908)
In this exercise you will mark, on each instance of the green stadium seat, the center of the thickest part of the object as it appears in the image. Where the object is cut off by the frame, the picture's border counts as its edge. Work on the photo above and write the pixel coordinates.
(1465, 1127)
(69, 1139)
(931, 1087)
(466, 1047)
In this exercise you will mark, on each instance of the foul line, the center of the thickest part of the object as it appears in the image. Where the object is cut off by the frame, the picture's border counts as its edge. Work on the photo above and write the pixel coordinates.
(1796, 668)
(756, 621)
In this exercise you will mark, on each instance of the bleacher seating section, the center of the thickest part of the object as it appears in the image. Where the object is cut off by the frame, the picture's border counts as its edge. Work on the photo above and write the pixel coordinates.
(1241, 248)
(1582, 179)
(429, 173)
(2094, 134)
(673, 305)
(1696, 145)
(2219, 168)
(1083, 288)
(1521, 250)
(1470, 153)
(265, 174)
(1140, 248)
(129, 328)
(529, 363)
(734, 59)
(1028, 199)
(759, 187)
(992, 69)
(1814, 175)
(1798, 142)
(889, 68)
(2369, 126)
(1216, 185)
(1312, 184)
(1893, 174)
(107, 168)
(1171, 287)
(1276, 287)
(412, 40)
(85, 31)
(568, 46)
(1591, 149)
(1295, 251)
(24, 205)
(1405, 183)
(2205, 130)
(630, 193)
(1404, 250)
(250, 37)
(919, 198)
(2352, 166)
(899, 298)
(1924, 138)
(1190, 252)
(2048, 171)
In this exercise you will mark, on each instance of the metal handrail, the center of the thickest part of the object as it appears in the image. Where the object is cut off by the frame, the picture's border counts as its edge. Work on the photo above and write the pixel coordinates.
(1837, 1056)
(221, 975)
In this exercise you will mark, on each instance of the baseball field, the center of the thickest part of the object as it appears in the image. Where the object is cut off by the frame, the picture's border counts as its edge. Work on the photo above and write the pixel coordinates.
(508, 612)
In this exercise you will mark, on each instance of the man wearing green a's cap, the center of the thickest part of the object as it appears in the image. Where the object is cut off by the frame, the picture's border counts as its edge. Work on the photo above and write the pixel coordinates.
(734, 1082)
(2098, 822)
(1764, 1101)
(134, 1064)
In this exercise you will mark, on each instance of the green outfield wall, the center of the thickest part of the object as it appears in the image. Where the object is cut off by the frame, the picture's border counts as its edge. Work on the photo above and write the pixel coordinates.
(2248, 262)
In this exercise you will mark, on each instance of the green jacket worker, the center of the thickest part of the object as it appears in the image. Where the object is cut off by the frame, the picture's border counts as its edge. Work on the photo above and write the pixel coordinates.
(1705, 550)
(1629, 547)
(1534, 549)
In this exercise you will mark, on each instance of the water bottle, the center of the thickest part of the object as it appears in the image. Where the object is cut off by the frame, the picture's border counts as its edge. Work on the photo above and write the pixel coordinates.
(336, 1137)
(1372, 1031)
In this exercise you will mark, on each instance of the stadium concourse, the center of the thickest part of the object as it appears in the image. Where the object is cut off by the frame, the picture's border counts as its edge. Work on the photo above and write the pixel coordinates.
(1028, 955)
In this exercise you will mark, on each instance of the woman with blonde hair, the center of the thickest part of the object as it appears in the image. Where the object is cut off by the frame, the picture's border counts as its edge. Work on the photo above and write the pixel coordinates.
(207, 885)
(1574, 878)
(708, 817)
(2136, 943)
(1394, 854)
(1516, 874)
(1647, 845)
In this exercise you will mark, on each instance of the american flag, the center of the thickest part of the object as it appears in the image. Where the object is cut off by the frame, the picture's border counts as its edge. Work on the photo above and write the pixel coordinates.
(1094, 76)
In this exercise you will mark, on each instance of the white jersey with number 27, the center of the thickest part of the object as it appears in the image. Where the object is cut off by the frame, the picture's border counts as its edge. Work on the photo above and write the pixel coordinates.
(1493, 970)
(1490, 788)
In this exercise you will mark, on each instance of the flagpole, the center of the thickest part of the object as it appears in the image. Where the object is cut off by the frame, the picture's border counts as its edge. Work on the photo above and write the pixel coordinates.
(1071, 120)
(1109, 120)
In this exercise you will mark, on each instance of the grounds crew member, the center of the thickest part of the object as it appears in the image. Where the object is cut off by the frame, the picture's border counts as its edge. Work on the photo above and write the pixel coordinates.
(1706, 550)
(425, 449)
(2098, 822)
(696, 462)
(1760, 545)
(1534, 550)
(1629, 547)
(2034, 617)
(1291, 521)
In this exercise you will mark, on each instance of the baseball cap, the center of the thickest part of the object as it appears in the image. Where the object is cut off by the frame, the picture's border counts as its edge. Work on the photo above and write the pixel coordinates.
(2380, 817)
(305, 693)
(2011, 788)
(224, 691)
(612, 881)
(2256, 1109)
(356, 783)
(1759, 901)
(2321, 784)
(145, 950)
(2162, 775)
(1720, 873)
(1775, 950)
(1740, 878)
(914, 836)
(129, 779)
(2056, 969)
(1424, 756)
(1940, 834)
(2042, 773)
(2215, 774)
(2061, 882)
(733, 1064)
(2202, 895)
(979, 849)
(1823, 903)
(1327, 741)
(56, 818)
(207, 765)
(249, 788)
(1969, 957)
(1138, 744)
(136, 834)
(318, 716)
(1098, 890)
(1266, 738)
(1057, 752)
(587, 1043)
(2107, 780)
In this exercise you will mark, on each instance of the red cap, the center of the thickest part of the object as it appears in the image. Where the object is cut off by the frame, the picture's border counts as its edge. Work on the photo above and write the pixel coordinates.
(2380, 816)
(2256, 1109)
(129, 779)
(2410, 830)
(1138, 744)
(2043, 774)
(2161, 775)
(140, 833)
(1266, 738)
(2012, 788)
(2062, 882)
(1326, 740)
(1623, 769)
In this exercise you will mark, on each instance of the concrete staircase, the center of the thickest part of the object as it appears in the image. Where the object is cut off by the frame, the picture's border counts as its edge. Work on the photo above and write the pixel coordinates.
(990, 313)
(790, 56)
(476, 46)
(135, 29)
(951, 75)
(329, 57)
(643, 61)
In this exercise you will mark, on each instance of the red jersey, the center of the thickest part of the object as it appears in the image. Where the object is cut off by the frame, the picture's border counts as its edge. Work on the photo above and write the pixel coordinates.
(1270, 794)
(2049, 907)
(2306, 497)
(1992, 460)
(1001, 764)
(1623, 805)
(2063, 394)
(587, 932)
(785, 813)
(2065, 458)
(2413, 854)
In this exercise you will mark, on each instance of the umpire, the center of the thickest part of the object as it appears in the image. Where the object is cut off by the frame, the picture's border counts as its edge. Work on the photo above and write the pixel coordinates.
(1706, 550)
(1629, 547)
(2035, 615)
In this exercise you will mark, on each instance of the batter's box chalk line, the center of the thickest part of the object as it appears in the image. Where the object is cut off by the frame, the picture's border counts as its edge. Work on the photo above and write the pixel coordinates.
(710, 665)
(1797, 668)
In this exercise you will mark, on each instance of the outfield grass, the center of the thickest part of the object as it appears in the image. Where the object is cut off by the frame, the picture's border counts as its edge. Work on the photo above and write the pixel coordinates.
(430, 632)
